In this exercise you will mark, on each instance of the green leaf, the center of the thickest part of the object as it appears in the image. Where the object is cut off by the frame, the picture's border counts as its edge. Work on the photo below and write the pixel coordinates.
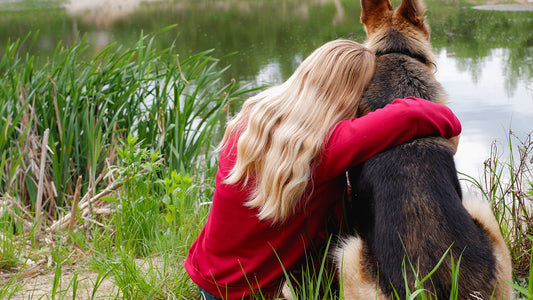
(109, 199)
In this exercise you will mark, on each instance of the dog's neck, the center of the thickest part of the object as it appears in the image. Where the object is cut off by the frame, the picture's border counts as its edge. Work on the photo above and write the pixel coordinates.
(395, 42)
(421, 58)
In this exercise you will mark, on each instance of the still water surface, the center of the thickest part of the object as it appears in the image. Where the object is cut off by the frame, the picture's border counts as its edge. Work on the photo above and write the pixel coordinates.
(485, 58)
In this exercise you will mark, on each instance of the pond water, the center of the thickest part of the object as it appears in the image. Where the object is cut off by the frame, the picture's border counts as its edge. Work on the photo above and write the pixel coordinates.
(485, 58)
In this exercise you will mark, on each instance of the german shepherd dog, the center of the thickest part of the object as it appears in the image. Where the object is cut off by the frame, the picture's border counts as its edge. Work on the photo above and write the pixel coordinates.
(407, 205)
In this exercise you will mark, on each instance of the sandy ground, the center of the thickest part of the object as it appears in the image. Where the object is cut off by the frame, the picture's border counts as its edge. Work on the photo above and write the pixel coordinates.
(39, 286)
(38, 281)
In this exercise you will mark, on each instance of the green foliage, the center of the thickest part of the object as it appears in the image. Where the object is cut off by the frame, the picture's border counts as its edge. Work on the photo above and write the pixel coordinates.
(137, 217)
(151, 223)
(314, 282)
(12, 250)
(174, 107)
(508, 185)
(316, 279)
(9, 288)
(147, 120)
(419, 291)
(176, 199)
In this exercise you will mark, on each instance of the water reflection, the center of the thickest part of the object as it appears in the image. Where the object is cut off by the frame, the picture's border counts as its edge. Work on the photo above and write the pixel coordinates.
(101, 13)
(485, 106)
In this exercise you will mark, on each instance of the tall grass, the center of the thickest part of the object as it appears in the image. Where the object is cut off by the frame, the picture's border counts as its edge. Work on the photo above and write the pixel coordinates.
(85, 106)
(507, 183)
(111, 155)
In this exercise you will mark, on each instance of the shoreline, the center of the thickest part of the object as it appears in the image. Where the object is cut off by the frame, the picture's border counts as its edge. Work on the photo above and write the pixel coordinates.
(506, 7)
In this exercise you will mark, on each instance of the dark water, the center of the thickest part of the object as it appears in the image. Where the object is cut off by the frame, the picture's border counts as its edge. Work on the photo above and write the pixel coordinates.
(485, 58)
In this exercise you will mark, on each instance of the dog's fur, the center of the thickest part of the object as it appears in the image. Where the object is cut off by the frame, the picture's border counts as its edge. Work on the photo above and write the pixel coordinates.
(407, 203)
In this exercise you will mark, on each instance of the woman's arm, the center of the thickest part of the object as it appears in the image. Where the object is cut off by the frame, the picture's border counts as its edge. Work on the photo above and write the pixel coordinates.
(355, 140)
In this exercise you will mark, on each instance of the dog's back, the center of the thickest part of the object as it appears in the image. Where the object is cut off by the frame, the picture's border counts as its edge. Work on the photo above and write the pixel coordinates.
(407, 203)
(413, 215)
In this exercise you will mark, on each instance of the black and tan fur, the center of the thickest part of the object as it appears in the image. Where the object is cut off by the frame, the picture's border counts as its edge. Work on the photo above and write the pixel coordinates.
(407, 202)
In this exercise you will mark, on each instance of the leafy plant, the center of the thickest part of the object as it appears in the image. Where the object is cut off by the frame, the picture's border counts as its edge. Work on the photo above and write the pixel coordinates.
(177, 199)
(137, 207)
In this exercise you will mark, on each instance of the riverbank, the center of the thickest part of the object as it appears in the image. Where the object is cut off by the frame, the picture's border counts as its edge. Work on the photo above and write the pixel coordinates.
(506, 7)
(103, 13)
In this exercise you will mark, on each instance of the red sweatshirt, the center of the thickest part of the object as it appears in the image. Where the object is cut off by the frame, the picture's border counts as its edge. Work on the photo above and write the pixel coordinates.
(237, 254)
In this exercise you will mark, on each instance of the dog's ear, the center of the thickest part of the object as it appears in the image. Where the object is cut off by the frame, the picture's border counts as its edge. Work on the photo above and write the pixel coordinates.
(413, 11)
(373, 10)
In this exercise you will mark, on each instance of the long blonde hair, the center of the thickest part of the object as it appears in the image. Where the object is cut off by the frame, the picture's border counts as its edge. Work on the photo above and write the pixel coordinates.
(283, 128)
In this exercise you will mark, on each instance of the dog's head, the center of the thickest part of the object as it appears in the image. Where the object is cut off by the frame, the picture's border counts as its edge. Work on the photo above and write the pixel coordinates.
(397, 31)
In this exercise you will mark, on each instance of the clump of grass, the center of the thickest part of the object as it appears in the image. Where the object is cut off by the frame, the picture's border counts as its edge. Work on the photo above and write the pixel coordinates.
(526, 291)
(152, 224)
(136, 205)
(507, 185)
(315, 280)
(8, 249)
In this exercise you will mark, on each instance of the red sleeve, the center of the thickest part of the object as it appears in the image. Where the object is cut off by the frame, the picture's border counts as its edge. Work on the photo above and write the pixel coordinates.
(355, 140)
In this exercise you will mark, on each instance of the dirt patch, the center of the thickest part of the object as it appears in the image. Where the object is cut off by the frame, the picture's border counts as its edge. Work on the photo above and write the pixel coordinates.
(40, 286)
(37, 281)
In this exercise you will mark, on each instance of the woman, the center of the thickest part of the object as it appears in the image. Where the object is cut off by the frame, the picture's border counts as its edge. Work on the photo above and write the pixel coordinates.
(282, 169)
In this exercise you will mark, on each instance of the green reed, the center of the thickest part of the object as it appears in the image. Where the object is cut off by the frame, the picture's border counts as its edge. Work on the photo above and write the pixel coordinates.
(62, 123)
(174, 107)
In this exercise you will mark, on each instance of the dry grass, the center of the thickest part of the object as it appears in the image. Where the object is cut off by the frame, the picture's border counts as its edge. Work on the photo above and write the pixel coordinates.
(508, 184)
